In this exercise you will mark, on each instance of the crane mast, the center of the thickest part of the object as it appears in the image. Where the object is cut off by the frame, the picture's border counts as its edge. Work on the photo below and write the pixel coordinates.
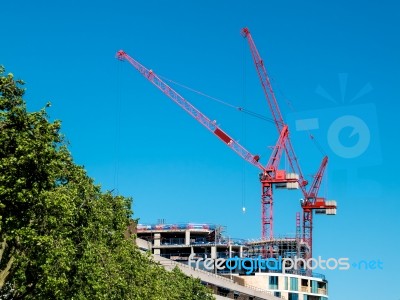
(272, 176)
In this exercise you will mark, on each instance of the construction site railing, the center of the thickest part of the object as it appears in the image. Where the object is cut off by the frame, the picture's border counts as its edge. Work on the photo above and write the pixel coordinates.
(174, 263)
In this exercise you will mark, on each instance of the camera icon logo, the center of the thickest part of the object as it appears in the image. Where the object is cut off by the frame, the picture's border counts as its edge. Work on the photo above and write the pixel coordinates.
(358, 126)
(348, 133)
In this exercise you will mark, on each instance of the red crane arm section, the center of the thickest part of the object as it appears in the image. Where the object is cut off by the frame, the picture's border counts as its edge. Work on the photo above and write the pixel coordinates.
(265, 83)
(191, 110)
(273, 105)
(275, 157)
(313, 193)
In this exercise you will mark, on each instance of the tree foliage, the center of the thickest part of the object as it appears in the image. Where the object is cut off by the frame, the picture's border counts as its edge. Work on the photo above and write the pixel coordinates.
(61, 237)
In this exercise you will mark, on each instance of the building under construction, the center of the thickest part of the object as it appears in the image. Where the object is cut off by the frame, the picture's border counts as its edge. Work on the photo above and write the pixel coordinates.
(189, 246)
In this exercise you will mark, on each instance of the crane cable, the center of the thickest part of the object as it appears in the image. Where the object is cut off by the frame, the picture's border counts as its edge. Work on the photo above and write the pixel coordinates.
(291, 107)
(249, 112)
(244, 132)
(241, 109)
(117, 140)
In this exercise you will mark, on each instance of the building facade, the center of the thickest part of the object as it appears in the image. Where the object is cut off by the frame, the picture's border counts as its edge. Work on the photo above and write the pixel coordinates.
(255, 264)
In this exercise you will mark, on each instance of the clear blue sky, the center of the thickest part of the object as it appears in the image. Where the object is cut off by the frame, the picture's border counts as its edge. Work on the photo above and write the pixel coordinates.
(333, 62)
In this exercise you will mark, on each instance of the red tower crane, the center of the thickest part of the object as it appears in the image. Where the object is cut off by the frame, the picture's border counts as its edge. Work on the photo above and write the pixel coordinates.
(270, 174)
(311, 200)
(314, 203)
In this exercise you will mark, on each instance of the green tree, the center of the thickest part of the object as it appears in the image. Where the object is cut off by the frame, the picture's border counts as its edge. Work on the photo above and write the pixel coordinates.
(61, 237)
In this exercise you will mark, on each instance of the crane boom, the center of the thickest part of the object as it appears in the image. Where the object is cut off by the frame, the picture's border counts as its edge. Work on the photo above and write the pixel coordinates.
(275, 157)
(314, 188)
(265, 83)
(191, 110)
(273, 105)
